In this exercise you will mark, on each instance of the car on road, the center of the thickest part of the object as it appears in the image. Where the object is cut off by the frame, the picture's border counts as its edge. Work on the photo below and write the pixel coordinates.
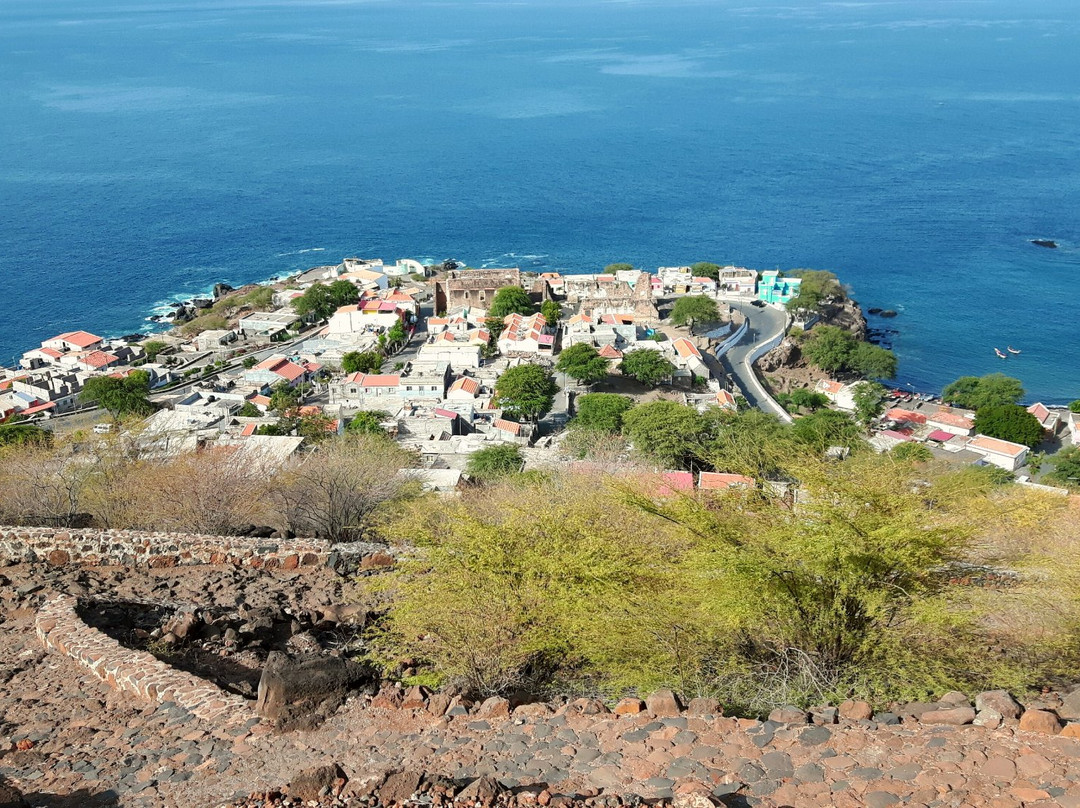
(759, 303)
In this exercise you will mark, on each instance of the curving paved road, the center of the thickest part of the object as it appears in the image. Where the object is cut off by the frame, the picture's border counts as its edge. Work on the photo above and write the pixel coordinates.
(763, 325)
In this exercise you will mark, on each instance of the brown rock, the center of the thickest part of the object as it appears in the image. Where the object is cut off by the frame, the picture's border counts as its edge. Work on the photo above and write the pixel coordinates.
(300, 693)
(1029, 794)
(1032, 767)
(536, 709)
(438, 704)
(692, 799)
(389, 696)
(664, 703)
(1071, 731)
(629, 706)
(399, 787)
(585, 706)
(484, 790)
(1070, 706)
(415, 698)
(1000, 702)
(24, 745)
(1042, 721)
(494, 707)
(856, 710)
(376, 560)
(999, 768)
(953, 716)
(955, 698)
(704, 706)
(314, 783)
(58, 558)
(789, 714)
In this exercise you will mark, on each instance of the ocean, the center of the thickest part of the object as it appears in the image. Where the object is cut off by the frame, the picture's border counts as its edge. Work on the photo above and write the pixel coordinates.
(149, 150)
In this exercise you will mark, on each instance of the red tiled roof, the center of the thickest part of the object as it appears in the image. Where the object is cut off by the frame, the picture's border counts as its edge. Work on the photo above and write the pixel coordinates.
(98, 359)
(1004, 447)
(80, 339)
(829, 386)
(376, 379)
(719, 481)
(685, 348)
(895, 434)
(910, 416)
(940, 435)
(445, 413)
(466, 384)
(725, 399)
(507, 426)
(950, 418)
(36, 408)
(610, 352)
(249, 429)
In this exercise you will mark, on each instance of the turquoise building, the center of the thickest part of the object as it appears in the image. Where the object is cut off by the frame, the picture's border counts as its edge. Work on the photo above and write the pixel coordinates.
(772, 288)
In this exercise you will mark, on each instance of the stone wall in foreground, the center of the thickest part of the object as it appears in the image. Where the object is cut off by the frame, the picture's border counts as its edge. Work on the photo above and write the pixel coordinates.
(159, 550)
(60, 629)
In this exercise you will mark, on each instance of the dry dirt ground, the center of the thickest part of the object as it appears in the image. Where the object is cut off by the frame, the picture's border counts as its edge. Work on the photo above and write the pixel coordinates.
(67, 740)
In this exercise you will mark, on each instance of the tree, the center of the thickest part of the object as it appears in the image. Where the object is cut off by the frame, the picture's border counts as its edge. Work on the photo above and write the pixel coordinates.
(1074, 406)
(1009, 422)
(829, 348)
(694, 309)
(249, 410)
(912, 452)
(817, 285)
(494, 463)
(316, 427)
(835, 350)
(552, 311)
(749, 442)
(19, 434)
(526, 391)
(153, 348)
(873, 361)
(807, 399)
(672, 434)
(1065, 467)
(249, 362)
(361, 362)
(869, 398)
(706, 269)
(333, 492)
(991, 390)
(396, 334)
(647, 365)
(284, 398)
(126, 396)
(316, 302)
(601, 411)
(343, 293)
(824, 429)
(582, 362)
(611, 269)
(510, 300)
(368, 422)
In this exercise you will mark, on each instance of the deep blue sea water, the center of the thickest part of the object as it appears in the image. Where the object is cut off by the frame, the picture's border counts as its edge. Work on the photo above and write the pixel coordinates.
(149, 149)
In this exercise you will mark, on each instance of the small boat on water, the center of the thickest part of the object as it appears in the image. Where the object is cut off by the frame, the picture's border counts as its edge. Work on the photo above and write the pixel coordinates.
(1011, 349)
(1000, 354)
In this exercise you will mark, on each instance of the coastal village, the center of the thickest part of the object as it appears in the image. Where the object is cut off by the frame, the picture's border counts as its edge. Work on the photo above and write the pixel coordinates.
(434, 357)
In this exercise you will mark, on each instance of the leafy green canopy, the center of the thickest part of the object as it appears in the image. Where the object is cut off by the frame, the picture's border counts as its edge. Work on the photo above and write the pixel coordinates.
(17, 434)
(611, 269)
(552, 311)
(319, 301)
(706, 269)
(126, 396)
(835, 350)
(602, 411)
(494, 463)
(693, 309)
(818, 285)
(1065, 467)
(582, 362)
(362, 362)
(991, 390)
(368, 422)
(1009, 422)
(670, 433)
(647, 365)
(526, 391)
(510, 300)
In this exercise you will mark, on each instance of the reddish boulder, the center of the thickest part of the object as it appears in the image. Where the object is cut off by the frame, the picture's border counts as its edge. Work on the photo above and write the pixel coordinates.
(494, 707)
(1042, 721)
(855, 710)
(629, 706)
(999, 701)
(58, 557)
(704, 706)
(664, 703)
(314, 783)
(951, 716)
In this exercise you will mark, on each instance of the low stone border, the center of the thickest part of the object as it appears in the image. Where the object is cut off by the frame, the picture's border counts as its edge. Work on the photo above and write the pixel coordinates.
(60, 546)
(60, 629)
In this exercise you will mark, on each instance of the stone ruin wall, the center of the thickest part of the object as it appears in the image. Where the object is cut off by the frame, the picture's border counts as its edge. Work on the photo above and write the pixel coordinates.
(135, 548)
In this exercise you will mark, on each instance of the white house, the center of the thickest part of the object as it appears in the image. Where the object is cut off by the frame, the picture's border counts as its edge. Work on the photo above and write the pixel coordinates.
(1047, 417)
(526, 335)
(950, 420)
(840, 394)
(214, 339)
(1006, 454)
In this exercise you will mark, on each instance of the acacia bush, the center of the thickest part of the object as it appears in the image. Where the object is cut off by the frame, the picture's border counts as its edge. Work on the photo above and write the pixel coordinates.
(743, 595)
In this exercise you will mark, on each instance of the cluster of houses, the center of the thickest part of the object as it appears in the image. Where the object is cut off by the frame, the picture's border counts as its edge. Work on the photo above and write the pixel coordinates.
(436, 395)
(950, 430)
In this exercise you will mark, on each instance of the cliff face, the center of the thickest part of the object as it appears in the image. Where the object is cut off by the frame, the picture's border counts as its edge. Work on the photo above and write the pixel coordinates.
(846, 315)
(785, 355)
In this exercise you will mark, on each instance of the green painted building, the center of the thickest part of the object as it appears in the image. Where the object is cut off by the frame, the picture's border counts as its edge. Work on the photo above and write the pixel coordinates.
(774, 288)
